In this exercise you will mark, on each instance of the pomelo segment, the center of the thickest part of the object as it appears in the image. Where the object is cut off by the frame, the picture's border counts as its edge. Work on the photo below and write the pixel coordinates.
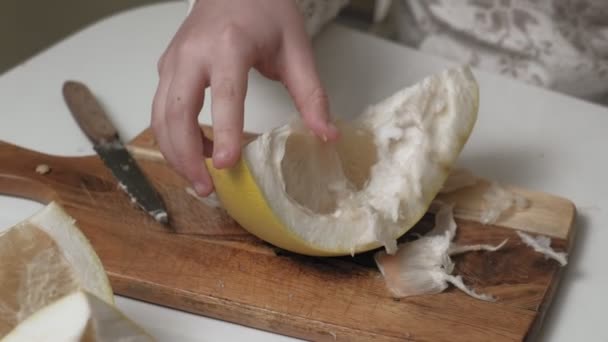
(42, 259)
(310, 197)
(79, 316)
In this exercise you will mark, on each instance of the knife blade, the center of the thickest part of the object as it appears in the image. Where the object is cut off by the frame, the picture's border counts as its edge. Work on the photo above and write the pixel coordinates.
(96, 125)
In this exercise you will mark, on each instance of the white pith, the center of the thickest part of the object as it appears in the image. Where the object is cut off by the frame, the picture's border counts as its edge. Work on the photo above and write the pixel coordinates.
(379, 179)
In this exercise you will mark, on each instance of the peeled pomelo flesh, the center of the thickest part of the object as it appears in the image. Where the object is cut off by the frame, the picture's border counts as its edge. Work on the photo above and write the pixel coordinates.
(42, 259)
(304, 195)
(79, 316)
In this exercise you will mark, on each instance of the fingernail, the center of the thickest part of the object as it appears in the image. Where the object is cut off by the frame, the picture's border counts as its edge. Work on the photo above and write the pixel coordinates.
(220, 154)
(201, 188)
(332, 132)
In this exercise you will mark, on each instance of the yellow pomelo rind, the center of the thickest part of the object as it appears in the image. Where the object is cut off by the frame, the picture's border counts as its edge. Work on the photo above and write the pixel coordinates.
(244, 201)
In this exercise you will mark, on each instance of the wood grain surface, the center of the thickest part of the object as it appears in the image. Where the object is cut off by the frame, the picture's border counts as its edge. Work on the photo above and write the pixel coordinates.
(210, 266)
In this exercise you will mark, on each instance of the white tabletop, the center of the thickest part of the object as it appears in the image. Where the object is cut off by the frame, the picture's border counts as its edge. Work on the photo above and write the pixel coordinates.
(524, 136)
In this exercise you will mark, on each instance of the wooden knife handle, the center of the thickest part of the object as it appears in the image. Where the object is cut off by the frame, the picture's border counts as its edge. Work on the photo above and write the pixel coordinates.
(88, 112)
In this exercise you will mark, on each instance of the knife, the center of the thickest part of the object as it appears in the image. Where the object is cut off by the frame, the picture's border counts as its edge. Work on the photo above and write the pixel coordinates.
(94, 122)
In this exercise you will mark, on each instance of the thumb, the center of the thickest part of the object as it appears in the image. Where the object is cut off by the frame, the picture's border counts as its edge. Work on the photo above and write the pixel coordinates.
(299, 75)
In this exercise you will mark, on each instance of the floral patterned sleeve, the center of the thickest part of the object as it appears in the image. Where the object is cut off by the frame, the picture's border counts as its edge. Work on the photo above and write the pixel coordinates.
(558, 44)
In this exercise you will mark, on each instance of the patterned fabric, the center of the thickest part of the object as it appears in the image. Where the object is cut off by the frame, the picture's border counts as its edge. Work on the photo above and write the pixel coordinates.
(317, 13)
(558, 44)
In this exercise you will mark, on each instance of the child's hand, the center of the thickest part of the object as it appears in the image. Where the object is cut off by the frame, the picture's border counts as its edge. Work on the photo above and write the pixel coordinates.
(215, 47)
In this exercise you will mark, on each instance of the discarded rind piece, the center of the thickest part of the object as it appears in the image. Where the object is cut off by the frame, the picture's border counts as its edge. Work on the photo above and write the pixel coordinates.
(43, 169)
(542, 244)
(498, 201)
(424, 266)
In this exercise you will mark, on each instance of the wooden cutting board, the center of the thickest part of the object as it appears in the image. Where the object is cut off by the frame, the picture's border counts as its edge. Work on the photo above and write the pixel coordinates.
(210, 266)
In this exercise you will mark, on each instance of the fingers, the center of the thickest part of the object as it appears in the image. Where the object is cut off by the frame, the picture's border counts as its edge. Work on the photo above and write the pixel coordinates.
(158, 123)
(300, 76)
(179, 100)
(228, 91)
(179, 133)
(229, 74)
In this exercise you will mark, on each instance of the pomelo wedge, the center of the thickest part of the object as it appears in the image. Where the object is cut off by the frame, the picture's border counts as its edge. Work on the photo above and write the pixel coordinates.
(79, 316)
(304, 195)
(42, 259)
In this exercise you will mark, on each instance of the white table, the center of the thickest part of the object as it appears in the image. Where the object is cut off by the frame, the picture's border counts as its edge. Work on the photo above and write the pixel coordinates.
(525, 136)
